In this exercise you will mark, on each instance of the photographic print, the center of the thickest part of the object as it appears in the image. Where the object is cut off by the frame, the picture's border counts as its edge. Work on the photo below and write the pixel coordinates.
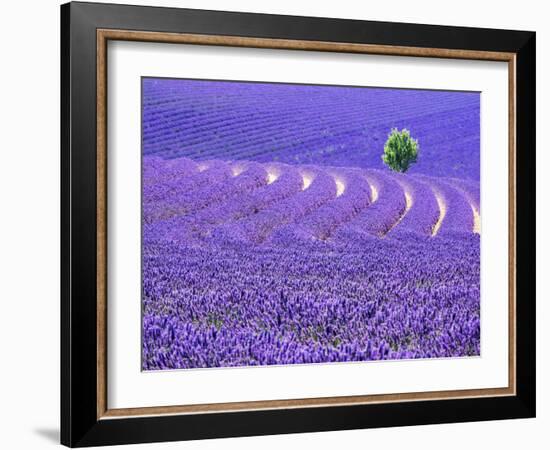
(299, 224)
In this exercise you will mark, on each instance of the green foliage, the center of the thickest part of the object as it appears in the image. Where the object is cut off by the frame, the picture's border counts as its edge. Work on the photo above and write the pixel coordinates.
(400, 150)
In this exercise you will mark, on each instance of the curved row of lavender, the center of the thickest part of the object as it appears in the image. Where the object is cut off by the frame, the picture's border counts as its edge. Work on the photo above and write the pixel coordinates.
(262, 246)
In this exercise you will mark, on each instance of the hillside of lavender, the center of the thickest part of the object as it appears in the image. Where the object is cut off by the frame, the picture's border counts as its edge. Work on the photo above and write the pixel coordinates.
(274, 234)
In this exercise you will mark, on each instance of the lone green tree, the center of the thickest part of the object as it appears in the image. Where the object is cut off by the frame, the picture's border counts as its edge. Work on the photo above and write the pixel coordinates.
(400, 150)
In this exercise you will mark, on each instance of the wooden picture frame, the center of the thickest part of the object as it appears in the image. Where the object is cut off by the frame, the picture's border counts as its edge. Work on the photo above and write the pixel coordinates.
(86, 418)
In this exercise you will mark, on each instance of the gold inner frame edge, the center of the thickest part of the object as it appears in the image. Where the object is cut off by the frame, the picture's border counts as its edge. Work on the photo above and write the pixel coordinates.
(103, 36)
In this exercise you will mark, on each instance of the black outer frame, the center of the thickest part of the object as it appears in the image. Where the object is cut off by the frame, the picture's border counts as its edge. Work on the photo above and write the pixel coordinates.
(79, 423)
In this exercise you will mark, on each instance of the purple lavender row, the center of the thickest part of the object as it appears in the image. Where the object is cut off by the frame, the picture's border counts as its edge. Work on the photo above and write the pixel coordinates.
(246, 178)
(388, 210)
(423, 213)
(456, 215)
(157, 171)
(151, 164)
(205, 174)
(353, 194)
(284, 182)
(470, 187)
(382, 214)
(161, 198)
(318, 189)
(246, 305)
(470, 190)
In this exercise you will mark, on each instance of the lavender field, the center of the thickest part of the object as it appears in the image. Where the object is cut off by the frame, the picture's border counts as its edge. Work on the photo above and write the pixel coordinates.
(273, 233)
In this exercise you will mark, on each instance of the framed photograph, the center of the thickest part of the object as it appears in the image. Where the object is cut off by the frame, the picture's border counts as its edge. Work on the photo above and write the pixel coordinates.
(276, 224)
